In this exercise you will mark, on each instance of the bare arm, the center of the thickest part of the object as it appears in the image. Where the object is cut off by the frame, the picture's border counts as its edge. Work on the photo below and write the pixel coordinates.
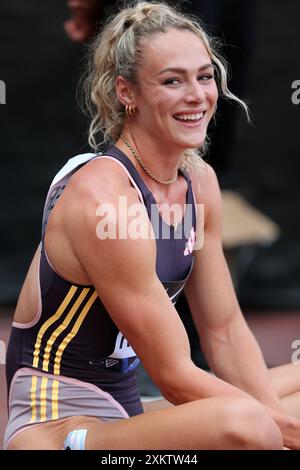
(228, 344)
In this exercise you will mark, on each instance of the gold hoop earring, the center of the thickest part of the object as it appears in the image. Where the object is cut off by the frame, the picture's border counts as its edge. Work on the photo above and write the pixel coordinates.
(130, 110)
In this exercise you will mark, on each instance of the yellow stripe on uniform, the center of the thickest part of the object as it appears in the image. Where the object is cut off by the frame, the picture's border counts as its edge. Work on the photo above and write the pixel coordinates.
(43, 398)
(73, 332)
(55, 385)
(33, 398)
(62, 327)
(49, 322)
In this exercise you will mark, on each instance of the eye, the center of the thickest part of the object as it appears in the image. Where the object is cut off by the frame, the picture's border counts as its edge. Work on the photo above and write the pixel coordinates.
(171, 81)
(206, 77)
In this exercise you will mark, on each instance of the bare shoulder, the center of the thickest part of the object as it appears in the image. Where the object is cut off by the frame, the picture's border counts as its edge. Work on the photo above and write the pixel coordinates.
(100, 180)
(206, 189)
(205, 182)
(97, 219)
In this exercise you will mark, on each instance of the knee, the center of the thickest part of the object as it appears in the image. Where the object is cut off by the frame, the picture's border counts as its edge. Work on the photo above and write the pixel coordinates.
(249, 426)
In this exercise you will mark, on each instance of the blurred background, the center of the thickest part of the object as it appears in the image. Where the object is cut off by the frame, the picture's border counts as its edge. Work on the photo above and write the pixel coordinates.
(258, 165)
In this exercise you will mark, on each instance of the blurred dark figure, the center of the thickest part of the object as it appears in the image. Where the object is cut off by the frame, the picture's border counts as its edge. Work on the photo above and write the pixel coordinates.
(85, 15)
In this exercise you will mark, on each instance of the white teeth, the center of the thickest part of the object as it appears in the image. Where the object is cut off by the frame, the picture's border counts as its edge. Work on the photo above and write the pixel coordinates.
(189, 117)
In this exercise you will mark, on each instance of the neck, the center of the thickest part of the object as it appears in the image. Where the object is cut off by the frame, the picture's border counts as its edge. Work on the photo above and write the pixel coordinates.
(160, 160)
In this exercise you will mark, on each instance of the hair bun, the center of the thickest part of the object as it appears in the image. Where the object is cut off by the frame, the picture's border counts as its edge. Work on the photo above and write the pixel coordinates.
(127, 24)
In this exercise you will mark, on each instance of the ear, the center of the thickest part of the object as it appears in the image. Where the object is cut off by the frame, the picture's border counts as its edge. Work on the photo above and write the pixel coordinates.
(125, 91)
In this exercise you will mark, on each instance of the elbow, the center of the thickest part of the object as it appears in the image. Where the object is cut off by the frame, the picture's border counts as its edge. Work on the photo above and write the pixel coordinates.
(174, 384)
(173, 395)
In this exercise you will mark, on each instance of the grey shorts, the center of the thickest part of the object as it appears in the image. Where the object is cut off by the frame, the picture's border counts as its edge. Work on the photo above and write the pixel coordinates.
(37, 397)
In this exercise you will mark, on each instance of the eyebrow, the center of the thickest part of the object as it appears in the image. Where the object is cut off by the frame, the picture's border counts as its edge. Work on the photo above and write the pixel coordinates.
(181, 70)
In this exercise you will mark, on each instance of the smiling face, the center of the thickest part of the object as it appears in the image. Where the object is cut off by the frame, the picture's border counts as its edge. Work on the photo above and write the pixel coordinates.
(177, 93)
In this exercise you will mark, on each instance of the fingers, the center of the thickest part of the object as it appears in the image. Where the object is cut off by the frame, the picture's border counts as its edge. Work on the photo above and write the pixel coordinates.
(84, 8)
(79, 30)
(83, 22)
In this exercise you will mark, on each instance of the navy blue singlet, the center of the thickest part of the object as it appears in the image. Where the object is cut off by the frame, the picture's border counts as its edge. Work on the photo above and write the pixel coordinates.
(73, 335)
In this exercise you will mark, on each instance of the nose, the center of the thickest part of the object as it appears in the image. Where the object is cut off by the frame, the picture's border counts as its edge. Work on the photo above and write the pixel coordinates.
(195, 92)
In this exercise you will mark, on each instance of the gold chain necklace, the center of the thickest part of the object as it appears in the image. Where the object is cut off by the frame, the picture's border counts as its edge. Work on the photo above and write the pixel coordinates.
(138, 158)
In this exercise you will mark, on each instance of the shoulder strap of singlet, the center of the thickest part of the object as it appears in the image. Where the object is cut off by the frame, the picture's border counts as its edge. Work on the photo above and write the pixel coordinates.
(59, 183)
(146, 193)
(119, 155)
(127, 163)
(115, 152)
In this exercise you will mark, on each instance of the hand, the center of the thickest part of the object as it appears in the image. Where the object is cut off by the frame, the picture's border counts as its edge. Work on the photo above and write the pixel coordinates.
(289, 427)
(83, 23)
(291, 434)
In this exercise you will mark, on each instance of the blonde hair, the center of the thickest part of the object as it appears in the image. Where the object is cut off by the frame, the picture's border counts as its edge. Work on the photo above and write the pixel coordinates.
(117, 51)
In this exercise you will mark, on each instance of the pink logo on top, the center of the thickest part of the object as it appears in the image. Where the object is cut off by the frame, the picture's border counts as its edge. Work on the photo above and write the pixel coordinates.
(189, 246)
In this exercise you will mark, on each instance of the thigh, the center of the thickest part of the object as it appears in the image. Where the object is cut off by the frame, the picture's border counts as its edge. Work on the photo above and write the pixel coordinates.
(210, 423)
(286, 379)
(156, 405)
(291, 404)
(50, 435)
